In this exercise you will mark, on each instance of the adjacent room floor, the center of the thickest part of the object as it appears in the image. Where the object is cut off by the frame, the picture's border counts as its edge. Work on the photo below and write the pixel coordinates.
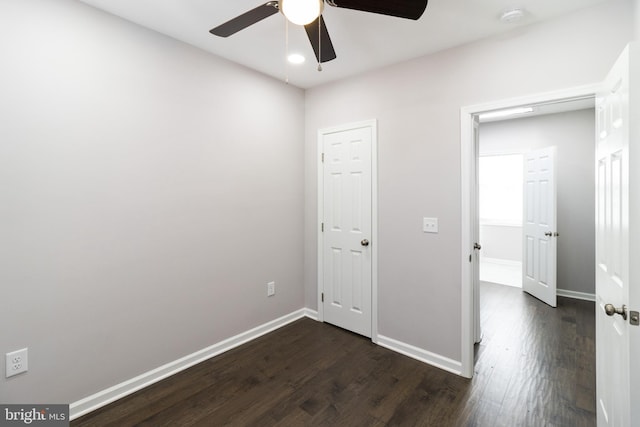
(534, 367)
(501, 273)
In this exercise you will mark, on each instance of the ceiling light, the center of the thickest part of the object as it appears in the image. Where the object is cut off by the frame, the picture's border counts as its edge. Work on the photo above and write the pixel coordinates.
(512, 15)
(505, 113)
(296, 58)
(301, 12)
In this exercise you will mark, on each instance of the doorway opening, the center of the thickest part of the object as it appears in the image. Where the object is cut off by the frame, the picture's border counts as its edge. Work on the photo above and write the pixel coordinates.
(566, 100)
(500, 187)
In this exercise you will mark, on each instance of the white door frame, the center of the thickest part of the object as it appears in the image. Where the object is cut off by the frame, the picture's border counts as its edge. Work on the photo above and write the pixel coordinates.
(373, 124)
(467, 156)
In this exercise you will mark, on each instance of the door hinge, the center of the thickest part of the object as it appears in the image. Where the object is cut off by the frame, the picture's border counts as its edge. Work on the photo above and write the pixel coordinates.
(322, 297)
(322, 157)
(469, 257)
(322, 227)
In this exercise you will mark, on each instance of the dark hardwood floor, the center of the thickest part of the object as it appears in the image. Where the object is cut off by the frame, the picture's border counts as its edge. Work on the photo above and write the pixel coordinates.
(534, 367)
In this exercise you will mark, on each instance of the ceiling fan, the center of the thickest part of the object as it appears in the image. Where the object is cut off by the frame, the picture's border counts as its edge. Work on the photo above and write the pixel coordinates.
(309, 14)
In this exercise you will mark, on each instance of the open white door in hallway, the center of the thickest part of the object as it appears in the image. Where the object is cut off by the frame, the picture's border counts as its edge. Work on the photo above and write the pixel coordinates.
(475, 231)
(617, 246)
(540, 233)
(346, 238)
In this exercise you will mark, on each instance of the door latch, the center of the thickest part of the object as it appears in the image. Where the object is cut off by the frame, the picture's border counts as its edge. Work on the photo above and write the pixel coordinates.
(634, 318)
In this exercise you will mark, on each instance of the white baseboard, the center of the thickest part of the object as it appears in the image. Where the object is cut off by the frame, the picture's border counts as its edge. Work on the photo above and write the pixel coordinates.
(422, 355)
(500, 261)
(575, 295)
(311, 314)
(104, 397)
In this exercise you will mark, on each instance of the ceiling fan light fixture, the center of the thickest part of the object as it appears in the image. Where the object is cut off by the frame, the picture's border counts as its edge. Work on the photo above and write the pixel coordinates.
(301, 12)
(296, 58)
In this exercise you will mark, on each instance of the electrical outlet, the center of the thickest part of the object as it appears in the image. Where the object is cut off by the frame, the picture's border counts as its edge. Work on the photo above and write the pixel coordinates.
(16, 362)
(271, 289)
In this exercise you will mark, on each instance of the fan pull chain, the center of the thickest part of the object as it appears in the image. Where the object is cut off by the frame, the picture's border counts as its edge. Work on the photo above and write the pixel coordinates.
(320, 43)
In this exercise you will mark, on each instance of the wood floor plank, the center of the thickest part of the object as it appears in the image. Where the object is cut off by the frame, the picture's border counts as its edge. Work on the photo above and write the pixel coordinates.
(535, 367)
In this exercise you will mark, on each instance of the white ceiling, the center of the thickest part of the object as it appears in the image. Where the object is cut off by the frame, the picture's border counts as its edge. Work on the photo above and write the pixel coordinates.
(362, 41)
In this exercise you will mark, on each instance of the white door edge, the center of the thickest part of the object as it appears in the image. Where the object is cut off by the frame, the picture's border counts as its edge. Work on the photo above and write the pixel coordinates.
(466, 189)
(373, 124)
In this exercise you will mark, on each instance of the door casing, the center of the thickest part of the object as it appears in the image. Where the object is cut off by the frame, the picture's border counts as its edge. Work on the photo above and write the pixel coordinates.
(469, 197)
(374, 218)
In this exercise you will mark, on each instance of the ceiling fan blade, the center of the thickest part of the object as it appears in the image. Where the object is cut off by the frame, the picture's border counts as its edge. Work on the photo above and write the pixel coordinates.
(320, 44)
(246, 19)
(410, 9)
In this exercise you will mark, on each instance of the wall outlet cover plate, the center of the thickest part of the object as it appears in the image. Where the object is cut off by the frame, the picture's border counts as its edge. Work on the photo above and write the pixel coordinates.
(16, 362)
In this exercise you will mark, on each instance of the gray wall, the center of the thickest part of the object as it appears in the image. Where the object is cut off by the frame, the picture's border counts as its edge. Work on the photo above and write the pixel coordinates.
(148, 193)
(501, 242)
(417, 105)
(573, 135)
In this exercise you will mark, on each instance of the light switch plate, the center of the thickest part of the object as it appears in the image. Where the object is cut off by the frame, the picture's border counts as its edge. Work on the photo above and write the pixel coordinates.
(271, 289)
(430, 225)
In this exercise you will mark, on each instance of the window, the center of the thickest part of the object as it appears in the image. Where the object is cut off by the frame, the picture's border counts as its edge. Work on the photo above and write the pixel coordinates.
(500, 182)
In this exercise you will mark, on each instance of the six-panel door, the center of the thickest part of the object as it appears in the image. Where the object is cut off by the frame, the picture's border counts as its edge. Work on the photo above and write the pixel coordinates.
(347, 229)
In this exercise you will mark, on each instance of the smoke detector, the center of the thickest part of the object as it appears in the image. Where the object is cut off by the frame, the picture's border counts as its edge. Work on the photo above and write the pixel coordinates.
(511, 16)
